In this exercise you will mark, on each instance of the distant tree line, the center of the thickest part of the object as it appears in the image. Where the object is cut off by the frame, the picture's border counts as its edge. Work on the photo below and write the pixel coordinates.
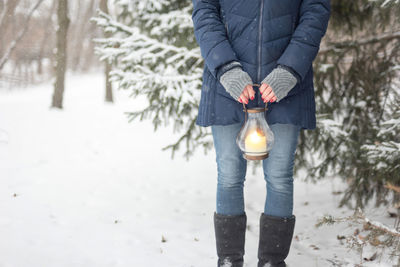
(28, 43)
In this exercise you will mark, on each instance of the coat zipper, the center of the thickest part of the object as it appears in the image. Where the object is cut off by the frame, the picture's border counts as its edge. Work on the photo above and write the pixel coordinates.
(259, 45)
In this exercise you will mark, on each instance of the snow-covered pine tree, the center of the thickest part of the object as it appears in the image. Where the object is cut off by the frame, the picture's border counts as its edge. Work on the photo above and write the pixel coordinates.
(155, 55)
(356, 78)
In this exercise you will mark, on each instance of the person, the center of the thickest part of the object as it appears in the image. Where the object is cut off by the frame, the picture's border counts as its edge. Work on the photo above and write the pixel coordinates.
(272, 43)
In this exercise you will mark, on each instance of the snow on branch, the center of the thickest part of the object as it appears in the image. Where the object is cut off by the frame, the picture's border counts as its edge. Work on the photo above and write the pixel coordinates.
(385, 152)
(138, 46)
(141, 6)
(167, 21)
(359, 216)
(373, 228)
(391, 125)
(333, 127)
(109, 24)
(387, 2)
(379, 226)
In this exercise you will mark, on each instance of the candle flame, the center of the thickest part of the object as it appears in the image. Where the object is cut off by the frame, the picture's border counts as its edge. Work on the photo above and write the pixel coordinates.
(255, 137)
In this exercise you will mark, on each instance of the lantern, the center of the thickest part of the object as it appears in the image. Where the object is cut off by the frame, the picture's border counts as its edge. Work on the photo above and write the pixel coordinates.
(255, 138)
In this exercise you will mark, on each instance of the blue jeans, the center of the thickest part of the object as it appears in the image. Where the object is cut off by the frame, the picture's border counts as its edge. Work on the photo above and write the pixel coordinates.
(278, 170)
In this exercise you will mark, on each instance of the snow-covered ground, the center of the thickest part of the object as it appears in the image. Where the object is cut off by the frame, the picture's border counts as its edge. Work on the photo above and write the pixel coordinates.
(83, 187)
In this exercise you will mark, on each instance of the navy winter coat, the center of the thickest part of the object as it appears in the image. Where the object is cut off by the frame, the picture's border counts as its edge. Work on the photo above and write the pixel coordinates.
(260, 34)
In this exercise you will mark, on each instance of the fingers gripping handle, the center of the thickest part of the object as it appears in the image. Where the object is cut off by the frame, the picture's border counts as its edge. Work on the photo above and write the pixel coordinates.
(244, 105)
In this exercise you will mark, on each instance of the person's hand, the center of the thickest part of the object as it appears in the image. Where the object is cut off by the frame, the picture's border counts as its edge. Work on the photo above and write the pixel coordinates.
(238, 84)
(277, 85)
(248, 93)
(267, 94)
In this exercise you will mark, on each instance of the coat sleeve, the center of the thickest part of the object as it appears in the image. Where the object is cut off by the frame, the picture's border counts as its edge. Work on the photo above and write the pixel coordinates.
(304, 44)
(211, 35)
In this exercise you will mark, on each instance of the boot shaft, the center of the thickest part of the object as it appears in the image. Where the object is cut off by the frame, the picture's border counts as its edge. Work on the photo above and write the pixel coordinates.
(230, 231)
(276, 235)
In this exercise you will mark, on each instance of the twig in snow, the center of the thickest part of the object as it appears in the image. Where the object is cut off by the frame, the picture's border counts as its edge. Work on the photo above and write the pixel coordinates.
(378, 234)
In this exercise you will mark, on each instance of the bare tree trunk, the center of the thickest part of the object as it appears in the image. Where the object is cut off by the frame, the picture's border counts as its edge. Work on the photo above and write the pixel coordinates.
(21, 34)
(82, 31)
(43, 44)
(5, 17)
(6, 14)
(61, 55)
(89, 49)
(109, 94)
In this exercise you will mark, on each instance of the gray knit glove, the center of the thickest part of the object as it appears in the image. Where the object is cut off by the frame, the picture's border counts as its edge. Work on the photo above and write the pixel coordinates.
(234, 81)
(281, 81)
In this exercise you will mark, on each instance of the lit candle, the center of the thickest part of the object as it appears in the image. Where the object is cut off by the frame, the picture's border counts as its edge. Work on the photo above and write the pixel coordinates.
(255, 143)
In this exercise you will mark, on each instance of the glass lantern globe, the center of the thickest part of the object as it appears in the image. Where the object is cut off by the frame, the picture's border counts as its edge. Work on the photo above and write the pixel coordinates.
(255, 139)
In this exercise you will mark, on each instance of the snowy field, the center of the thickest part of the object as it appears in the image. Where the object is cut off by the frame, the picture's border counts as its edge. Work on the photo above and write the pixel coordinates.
(83, 187)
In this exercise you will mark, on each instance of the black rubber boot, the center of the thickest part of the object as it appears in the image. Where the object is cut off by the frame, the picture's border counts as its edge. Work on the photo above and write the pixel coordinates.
(276, 235)
(230, 233)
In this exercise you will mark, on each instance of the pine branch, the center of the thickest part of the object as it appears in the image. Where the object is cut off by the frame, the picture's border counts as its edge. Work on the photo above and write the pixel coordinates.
(357, 217)
(385, 37)
(109, 24)
(193, 137)
(380, 226)
(161, 22)
(393, 187)
(140, 44)
(387, 2)
(150, 6)
(136, 39)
